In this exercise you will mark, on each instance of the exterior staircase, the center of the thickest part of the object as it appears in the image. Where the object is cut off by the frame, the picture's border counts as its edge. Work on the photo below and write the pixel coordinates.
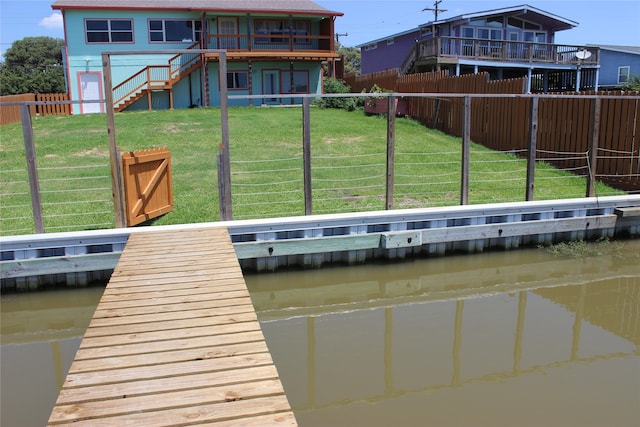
(409, 61)
(155, 77)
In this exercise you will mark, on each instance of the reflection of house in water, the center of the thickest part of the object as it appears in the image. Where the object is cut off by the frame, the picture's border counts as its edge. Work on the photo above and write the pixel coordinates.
(617, 301)
(472, 331)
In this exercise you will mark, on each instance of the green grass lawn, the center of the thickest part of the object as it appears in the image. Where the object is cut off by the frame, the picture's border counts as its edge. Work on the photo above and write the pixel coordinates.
(348, 166)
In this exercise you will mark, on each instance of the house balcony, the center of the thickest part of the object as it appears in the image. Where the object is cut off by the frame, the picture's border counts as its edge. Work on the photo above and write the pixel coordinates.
(454, 50)
(286, 46)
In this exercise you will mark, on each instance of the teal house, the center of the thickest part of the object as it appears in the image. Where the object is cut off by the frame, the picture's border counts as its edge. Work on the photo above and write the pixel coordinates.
(273, 47)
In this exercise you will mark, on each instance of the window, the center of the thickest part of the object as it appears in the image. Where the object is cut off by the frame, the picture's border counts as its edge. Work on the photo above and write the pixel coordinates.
(109, 30)
(174, 30)
(467, 45)
(623, 74)
(279, 31)
(300, 82)
(371, 46)
(238, 80)
(391, 41)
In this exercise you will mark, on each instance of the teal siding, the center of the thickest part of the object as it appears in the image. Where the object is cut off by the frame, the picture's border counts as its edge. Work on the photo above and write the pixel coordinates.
(312, 69)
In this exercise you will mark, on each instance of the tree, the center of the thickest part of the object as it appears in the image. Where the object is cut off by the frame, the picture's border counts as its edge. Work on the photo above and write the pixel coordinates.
(351, 58)
(33, 64)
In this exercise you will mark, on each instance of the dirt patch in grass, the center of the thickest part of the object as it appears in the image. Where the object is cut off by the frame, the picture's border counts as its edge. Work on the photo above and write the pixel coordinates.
(353, 139)
(92, 152)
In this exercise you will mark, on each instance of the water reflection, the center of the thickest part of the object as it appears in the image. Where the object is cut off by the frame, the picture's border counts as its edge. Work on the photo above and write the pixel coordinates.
(506, 338)
(41, 333)
(519, 338)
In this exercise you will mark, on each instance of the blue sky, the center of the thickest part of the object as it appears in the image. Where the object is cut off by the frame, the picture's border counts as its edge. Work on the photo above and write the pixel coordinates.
(600, 22)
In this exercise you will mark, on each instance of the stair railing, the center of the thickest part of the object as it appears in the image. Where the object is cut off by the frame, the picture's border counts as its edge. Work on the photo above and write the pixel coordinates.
(155, 76)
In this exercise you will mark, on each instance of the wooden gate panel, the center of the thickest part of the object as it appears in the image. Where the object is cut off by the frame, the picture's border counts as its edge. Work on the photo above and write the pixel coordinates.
(147, 185)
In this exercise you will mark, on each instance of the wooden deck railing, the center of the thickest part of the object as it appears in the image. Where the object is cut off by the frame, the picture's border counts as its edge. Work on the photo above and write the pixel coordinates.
(499, 50)
(270, 42)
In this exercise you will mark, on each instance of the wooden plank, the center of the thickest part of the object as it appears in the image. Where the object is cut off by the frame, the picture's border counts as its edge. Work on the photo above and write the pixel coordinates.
(159, 336)
(171, 372)
(157, 385)
(511, 229)
(58, 265)
(181, 355)
(155, 354)
(176, 315)
(628, 212)
(276, 405)
(160, 346)
(306, 246)
(183, 398)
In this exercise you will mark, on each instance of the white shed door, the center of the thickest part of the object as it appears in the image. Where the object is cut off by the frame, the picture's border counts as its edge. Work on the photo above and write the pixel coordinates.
(90, 90)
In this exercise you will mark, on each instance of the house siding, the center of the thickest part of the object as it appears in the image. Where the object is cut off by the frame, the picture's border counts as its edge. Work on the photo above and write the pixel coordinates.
(386, 57)
(83, 57)
(508, 42)
(611, 61)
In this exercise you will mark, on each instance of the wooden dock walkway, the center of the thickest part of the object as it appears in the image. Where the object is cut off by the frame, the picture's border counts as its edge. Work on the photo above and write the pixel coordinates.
(174, 341)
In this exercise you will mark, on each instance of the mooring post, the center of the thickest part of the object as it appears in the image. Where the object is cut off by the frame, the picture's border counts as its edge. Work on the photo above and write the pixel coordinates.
(466, 147)
(306, 155)
(592, 157)
(32, 167)
(391, 144)
(531, 153)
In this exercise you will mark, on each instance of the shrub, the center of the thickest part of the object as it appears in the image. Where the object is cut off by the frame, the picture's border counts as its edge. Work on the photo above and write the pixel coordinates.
(332, 85)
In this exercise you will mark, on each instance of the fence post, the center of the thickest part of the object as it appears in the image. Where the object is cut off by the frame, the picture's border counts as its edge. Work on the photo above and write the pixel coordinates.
(391, 143)
(223, 184)
(592, 158)
(466, 146)
(306, 155)
(435, 114)
(32, 167)
(114, 155)
(226, 209)
(531, 149)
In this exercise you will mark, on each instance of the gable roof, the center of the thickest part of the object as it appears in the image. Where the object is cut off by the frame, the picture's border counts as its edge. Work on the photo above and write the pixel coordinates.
(538, 15)
(306, 7)
(633, 50)
(524, 11)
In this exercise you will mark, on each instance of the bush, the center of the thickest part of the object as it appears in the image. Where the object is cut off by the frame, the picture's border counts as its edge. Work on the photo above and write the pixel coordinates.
(332, 85)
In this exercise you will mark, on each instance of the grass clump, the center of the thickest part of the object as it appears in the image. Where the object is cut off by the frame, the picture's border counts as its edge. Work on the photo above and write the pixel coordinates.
(583, 249)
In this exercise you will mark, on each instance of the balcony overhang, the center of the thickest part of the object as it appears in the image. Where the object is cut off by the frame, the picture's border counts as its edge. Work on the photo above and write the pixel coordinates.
(276, 55)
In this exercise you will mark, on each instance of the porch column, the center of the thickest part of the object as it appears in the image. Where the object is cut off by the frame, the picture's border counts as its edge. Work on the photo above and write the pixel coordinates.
(475, 69)
(578, 79)
(529, 80)
(457, 69)
(597, 86)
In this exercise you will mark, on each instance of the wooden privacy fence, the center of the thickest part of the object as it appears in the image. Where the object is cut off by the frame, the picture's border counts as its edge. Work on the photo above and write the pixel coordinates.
(503, 123)
(146, 177)
(51, 106)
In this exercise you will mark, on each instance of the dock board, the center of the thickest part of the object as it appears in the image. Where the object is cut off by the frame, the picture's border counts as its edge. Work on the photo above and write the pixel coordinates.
(174, 341)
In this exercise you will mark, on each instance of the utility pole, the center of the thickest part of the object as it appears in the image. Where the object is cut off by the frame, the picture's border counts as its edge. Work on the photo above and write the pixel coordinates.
(338, 35)
(435, 9)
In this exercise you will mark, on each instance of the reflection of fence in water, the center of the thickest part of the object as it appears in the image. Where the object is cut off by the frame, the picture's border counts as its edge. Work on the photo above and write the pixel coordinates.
(385, 353)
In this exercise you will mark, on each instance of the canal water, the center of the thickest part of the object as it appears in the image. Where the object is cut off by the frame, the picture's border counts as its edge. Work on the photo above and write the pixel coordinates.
(525, 337)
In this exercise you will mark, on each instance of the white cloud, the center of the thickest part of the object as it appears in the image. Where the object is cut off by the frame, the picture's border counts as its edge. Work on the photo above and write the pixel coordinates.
(52, 22)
